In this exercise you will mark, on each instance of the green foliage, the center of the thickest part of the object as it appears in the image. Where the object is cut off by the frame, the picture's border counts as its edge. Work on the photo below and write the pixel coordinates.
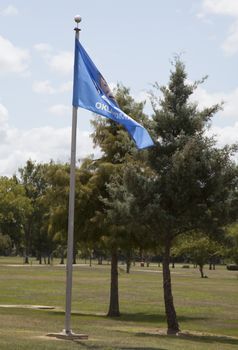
(232, 243)
(192, 184)
(118, 152)
(198, 248)
(15, 207)
(33, 179)
(5, 245)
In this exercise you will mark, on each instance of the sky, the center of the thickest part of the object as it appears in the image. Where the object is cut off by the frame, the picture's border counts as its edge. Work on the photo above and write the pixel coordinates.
(131, 42)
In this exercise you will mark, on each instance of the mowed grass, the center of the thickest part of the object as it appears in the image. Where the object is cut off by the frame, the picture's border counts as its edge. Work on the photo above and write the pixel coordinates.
(206, 308)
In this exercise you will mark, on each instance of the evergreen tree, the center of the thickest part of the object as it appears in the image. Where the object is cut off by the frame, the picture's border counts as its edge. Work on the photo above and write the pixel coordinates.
(117, 150)
(191, 186)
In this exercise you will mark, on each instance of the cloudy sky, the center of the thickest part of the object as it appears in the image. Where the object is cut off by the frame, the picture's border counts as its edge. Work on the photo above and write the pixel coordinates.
(131, 42)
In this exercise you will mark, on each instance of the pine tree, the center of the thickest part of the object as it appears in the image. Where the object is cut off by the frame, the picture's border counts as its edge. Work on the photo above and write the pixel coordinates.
(117, 151)
(191, 185)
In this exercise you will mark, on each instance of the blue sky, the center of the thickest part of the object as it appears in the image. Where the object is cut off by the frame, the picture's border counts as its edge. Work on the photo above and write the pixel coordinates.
(131, 42)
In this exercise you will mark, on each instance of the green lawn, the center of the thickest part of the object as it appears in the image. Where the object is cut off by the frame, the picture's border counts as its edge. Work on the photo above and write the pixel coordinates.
(207, 308)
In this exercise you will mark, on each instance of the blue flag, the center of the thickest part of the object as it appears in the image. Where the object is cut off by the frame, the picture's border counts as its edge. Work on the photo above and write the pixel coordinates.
(92, 92)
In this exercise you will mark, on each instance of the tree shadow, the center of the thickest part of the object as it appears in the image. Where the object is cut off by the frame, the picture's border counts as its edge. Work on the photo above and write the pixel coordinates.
(154, 318)
(151, 318)
(139, 317)
(99, 347)
(209, 339)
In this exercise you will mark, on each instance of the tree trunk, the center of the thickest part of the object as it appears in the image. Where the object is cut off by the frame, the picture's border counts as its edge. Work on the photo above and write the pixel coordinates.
(74, 254)
(128, 265)
(62, 257)
(201, 271)
(90, 260)
(173, 326)
(114, 295)
(128, 261)
(27, 243)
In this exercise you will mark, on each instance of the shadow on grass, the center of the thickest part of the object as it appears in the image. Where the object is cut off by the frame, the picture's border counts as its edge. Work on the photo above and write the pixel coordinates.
(153, 318)
(88, 346)
(143, 317)
(139, 317)
(209, 339)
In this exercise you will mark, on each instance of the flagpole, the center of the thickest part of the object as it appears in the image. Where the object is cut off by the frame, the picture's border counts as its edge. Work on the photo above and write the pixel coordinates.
(67, 331)
(69, 264)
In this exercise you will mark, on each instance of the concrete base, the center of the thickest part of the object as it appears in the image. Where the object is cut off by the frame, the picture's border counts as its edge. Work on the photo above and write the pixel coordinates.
(68, 336)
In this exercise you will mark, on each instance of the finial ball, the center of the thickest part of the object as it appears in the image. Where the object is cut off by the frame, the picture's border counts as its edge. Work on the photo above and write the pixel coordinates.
(77, 19)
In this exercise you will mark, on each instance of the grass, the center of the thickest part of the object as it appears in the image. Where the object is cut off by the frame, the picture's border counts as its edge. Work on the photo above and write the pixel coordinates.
(206, 308)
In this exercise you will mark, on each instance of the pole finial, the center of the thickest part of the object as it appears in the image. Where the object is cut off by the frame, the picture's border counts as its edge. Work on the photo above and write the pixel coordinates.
(77, 19)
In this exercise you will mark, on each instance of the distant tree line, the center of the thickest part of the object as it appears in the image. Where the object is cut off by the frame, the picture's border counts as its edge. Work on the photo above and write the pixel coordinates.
(178, 199)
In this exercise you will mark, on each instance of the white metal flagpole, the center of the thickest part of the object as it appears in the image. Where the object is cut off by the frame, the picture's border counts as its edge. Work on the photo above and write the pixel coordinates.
(67, 332)
(69, 264)
(70, 245)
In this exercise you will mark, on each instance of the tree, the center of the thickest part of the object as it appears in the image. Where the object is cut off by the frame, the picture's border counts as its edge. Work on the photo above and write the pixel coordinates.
(191, 184)
(15, 208)
(33, 180)
(5, 245)
(198, 248)
(117, 149)
(56, 199)
(232, 243)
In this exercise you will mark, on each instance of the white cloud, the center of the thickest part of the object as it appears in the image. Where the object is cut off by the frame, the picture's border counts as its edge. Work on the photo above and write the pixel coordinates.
(230, 99)
(43, 87)
(62, 62)
(60, 110)
(39, 144)
(43, 47)
(225, 8)
(144, 96)
(221, 7)
(3, 114)
(13, 59)
(3, 122)
(66, 86)
(230, 45)
(224, 135)
(9, 11)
